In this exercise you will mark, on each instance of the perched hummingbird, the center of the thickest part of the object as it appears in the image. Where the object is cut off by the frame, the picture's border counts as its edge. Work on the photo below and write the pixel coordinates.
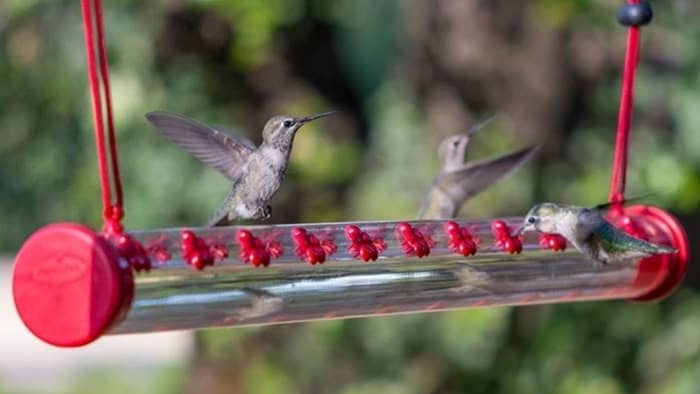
(589, 232)
(457, 180)
(256, 172)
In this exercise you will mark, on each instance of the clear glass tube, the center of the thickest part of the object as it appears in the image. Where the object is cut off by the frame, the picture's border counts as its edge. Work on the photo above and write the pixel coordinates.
(174, 295)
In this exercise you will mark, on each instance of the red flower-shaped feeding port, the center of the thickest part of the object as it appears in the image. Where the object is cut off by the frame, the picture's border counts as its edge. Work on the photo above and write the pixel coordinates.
(362, 244)
(504, 240)
(460, 239)
(413, 242)
(310, 248)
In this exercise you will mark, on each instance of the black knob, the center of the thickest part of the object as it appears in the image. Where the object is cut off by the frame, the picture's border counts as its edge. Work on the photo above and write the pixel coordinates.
(638, 14)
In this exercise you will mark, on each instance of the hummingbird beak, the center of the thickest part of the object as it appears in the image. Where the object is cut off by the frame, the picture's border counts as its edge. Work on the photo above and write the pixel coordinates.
(519, 231)
(477, 127)
(314, 117)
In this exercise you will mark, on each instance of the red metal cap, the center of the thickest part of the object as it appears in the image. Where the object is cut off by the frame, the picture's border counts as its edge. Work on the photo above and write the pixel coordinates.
(665, 271)
(68, 286)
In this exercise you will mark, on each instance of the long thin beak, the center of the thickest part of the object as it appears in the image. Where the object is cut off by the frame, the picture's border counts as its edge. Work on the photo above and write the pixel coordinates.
(315, 116)
(519, 231)
(477, 127)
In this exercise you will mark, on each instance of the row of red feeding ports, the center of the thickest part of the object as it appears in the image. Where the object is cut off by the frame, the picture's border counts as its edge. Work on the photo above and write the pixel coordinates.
(253, 250)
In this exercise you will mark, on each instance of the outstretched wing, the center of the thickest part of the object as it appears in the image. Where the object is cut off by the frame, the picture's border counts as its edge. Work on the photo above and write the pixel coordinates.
(217, 149)
(475, 177)
(231, 134)
(607, 205)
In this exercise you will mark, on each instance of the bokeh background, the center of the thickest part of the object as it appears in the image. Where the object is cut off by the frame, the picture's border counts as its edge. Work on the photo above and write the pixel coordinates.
(403, 74)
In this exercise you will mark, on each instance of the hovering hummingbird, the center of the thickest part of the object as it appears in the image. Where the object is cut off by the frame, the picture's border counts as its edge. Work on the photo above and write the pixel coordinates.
(256, 172)
(457, 180)
(589, 232)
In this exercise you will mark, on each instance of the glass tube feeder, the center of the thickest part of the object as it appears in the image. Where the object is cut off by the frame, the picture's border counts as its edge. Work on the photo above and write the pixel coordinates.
(256, 275)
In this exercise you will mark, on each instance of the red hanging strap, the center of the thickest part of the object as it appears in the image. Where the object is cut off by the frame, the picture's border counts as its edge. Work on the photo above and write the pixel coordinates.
(633, 14)
(112, 210)
(104, 70)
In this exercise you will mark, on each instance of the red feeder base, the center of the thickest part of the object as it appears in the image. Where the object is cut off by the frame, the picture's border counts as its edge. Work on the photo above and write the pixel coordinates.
(666, 271)
(68, 285)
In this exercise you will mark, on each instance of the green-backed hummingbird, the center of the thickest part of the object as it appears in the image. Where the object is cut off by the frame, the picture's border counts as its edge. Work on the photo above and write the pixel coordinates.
(589, 232)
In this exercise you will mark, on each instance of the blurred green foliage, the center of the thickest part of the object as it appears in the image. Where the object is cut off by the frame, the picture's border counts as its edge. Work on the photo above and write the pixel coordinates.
(235, 62)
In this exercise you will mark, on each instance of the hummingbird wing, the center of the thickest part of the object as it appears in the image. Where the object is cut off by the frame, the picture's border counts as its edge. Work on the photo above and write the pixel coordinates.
(215, 148)
(233, 136)
(607, 205)
(616, 244)
(477, 176)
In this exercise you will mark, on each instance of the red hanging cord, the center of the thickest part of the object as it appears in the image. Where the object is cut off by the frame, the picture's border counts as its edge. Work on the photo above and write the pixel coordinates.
(104, 70)
(619, 170)
(112, 213)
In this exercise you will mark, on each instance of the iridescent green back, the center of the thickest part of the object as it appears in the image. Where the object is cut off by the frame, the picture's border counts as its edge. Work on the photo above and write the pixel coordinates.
(615, 240)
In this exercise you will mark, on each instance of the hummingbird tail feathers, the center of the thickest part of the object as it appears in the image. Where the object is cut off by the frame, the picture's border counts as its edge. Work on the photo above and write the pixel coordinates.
(658, 249)
(224, 215)
(220, 220)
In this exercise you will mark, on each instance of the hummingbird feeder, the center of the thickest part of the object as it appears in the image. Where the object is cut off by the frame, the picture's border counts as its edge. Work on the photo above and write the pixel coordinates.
(72, 284)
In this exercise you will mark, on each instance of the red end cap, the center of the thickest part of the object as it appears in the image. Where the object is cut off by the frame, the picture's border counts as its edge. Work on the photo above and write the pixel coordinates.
(666, 271)
(68, 286)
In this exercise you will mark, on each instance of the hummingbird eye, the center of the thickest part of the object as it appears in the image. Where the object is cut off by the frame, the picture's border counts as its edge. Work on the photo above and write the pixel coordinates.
(287, 123)
(455, 143)
(531, 219)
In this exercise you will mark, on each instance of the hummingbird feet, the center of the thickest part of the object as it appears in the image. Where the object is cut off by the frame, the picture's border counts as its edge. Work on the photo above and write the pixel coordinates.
(264, 213)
